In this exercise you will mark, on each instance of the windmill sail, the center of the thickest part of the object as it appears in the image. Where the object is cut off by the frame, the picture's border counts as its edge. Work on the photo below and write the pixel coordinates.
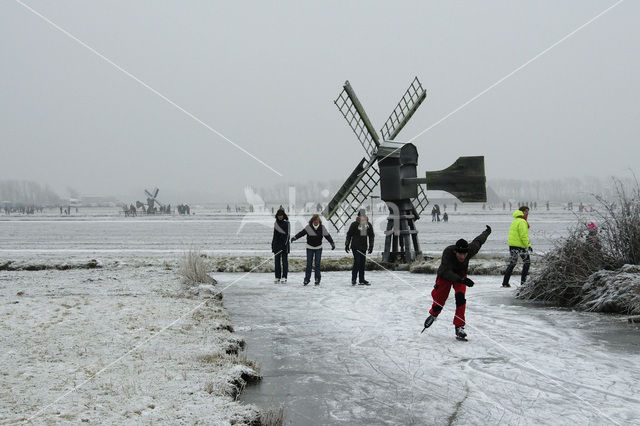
(352, 194)
(351, 109)
(420, 203)
(403, 111)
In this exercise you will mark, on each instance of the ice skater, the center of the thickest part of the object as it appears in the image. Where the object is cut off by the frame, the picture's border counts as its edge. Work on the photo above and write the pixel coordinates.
(519, 245)
(359, 232)
(315, 232)
(280, 246)
(452, 272)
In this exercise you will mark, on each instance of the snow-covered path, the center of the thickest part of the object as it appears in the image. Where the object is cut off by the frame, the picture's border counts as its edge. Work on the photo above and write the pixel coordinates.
(343, 354)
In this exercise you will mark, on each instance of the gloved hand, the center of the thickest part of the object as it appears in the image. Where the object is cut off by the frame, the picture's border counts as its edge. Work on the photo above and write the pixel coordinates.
(293, 239)
(489, 228)
(468, 282)
(370, 250)
(346, 249)
(333, 246)
(530, 249)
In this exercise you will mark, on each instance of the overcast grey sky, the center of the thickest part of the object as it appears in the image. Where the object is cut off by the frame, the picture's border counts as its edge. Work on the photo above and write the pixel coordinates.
(265, 75)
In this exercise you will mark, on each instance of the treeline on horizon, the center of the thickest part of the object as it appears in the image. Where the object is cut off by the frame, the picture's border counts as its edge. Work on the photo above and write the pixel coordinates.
(27, 193)
(564, 190)
(576, 190)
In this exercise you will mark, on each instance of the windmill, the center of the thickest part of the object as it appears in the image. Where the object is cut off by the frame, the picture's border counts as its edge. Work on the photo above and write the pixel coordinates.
(392, 166)
(152, 201)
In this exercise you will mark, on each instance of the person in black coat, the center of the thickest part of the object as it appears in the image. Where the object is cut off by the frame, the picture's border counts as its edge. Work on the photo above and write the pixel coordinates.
(280, 246)
(360, 240)
(315, 232)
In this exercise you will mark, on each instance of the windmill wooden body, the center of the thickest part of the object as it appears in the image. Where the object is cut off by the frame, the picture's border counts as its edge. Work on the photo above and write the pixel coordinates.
(392, 165)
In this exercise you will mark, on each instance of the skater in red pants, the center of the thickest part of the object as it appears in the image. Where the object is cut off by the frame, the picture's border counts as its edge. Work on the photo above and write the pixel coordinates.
(452, 272)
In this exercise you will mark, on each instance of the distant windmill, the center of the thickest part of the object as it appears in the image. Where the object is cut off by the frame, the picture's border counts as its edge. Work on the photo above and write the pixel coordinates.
(393, 165)
(152, 200)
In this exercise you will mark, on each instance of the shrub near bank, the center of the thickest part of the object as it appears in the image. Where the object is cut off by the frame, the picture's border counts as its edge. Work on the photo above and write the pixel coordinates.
(595, 271)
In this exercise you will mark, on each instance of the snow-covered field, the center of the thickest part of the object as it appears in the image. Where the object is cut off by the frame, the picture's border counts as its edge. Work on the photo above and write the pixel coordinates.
(337, 354)
(123, 344)
(105, 233)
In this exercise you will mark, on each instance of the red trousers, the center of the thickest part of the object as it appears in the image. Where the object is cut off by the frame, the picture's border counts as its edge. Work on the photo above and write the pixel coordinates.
(440, 293)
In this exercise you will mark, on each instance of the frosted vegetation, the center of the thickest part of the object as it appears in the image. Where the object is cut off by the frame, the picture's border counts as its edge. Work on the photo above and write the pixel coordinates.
(596, 272)
(193, 269)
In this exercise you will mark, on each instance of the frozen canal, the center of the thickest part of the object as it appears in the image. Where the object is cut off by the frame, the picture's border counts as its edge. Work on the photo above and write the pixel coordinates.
(338, 354)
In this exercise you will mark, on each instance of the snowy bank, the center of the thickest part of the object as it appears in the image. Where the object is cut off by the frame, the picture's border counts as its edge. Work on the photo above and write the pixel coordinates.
(125, 343)
(613, 291)
(603, 291)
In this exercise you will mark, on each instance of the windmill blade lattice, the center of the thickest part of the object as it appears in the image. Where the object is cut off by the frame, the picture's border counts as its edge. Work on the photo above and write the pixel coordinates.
(351, 109)
(403, 111)
(352, 194)
(420, 203)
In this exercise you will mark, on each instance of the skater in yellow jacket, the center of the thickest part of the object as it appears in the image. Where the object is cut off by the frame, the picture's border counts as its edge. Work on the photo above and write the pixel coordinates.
(519, 245)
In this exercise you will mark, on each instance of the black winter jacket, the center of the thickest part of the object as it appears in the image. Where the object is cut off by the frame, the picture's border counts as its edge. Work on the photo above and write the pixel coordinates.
(452, 270)
(355, 238)
(314, 236)
(280, 241)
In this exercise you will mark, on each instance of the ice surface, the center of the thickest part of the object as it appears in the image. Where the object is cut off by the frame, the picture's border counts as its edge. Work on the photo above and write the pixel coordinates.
(355, 355)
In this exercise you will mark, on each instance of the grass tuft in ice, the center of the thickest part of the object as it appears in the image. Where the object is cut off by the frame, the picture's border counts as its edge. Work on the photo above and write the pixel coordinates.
(193, 269)
(273, 417)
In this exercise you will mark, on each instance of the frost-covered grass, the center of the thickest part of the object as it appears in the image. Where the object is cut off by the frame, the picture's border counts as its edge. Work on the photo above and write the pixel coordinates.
(595, 271)
(123, 344)
(193, 269)
(273, 417)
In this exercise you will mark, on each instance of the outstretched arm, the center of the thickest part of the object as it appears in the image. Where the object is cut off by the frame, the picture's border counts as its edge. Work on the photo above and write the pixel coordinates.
(478, 241)
(325, 233)
(300, 234)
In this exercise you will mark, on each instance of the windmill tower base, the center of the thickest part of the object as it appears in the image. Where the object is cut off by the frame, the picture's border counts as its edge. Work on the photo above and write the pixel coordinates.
(401, 234)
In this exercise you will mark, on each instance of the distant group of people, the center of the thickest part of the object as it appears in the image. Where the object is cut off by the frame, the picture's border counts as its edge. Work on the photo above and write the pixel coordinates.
(66, 211)
(435, 214)
(359, 241)
(8, 209)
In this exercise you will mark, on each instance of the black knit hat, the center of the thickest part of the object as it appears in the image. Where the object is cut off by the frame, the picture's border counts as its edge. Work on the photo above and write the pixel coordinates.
(462, 246)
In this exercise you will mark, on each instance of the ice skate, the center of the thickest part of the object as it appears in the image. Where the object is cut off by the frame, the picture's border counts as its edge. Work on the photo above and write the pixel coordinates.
(427, 323)
(460, 333)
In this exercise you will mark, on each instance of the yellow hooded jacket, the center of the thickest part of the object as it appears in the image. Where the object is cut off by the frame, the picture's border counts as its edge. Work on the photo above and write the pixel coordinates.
(519, 231)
